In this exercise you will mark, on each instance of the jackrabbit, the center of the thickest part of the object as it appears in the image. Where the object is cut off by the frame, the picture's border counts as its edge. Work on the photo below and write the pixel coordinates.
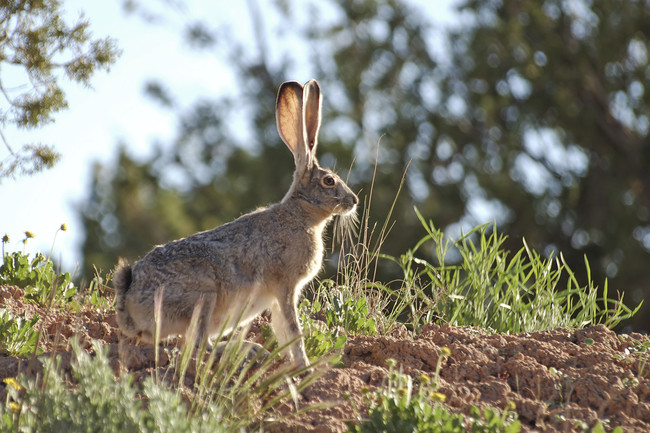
(260, 261)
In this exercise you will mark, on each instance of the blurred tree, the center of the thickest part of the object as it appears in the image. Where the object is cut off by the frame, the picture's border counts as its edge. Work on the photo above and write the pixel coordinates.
(535, 116)
(36, 43)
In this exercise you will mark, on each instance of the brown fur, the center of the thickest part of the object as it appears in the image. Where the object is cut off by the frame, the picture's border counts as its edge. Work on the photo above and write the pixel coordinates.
(260, 261)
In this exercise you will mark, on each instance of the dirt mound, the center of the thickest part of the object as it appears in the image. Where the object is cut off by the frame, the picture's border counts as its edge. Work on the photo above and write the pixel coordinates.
(559, 380)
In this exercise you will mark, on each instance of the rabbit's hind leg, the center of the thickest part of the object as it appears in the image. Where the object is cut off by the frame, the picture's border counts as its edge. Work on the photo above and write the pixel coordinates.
(285, 323)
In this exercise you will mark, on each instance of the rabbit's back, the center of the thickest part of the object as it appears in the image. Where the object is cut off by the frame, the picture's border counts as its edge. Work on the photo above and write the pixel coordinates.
(260, 246)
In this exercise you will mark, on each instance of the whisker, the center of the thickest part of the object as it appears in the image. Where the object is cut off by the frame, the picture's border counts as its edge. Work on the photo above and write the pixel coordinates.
(345, 228)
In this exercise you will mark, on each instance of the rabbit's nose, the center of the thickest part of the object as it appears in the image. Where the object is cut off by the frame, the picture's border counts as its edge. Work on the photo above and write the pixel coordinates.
(355, 199)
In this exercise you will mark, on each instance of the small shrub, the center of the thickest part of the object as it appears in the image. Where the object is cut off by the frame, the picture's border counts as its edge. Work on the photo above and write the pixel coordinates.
(98, 402)
(18, 334)
(349, 313)
(42, 284)
(344, 313)
(399, 407)
(320, 339)
(343, 307)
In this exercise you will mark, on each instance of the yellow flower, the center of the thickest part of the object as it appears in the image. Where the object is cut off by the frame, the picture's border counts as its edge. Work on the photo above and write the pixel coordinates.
(444, 351)
(511, 405)
(10, 381)
(402, 391)
(63, 227)
(5, 239)
(28, 234)
(438, 396)
(14, 407)
(425, 378)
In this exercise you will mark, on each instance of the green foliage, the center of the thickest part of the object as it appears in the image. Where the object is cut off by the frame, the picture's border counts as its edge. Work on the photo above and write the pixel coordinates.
(399, 407)
(100, 402)
(18, 334)
(42, 284)
(344, 312)
(37, 41)
(97, 296)
(395, 417)
(30, 159)
(320, 338)
(490, 289)
(344, 309)
(599, 428)
(351, 314)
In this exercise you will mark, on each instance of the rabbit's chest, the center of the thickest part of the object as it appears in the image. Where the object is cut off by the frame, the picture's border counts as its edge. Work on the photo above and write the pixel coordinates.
(303, 257)
(315, 256)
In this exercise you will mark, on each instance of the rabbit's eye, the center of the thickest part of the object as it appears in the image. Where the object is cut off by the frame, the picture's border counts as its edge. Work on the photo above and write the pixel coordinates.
(328, 181)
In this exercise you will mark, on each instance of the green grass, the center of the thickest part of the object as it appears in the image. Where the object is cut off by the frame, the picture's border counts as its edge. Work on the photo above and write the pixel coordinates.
(474, 281)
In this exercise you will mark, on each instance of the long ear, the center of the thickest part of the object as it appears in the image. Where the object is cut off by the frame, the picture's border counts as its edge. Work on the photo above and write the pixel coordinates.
(289, 118)
(313, 100)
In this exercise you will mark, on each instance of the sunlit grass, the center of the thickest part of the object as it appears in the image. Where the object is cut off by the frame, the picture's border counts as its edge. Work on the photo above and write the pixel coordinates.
(494, 289)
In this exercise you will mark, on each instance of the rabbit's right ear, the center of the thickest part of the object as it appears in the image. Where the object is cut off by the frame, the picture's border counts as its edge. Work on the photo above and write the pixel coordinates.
(313, 101)
(289, 118)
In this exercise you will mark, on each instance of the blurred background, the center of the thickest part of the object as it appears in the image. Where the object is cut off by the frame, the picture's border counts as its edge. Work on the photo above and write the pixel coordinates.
(529, 114)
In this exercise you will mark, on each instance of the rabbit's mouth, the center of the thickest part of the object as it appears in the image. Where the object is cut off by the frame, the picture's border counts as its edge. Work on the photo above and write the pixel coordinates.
(348, 211)
(346, 205)
(345, 209)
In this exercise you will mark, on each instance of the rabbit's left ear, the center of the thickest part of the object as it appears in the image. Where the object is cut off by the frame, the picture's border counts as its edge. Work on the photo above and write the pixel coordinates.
(289, 113)
(312, 103)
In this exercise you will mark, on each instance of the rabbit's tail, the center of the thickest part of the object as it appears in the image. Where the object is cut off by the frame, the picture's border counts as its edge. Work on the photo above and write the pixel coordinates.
(122, 278)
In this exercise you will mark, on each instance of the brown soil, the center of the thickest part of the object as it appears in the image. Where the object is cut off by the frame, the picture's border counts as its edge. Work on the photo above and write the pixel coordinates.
(559, 380)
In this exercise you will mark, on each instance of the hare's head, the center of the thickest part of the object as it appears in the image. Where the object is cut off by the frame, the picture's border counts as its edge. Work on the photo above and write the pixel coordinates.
(298, 117)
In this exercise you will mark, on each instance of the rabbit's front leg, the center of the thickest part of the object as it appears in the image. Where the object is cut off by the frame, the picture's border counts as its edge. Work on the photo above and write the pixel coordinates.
(201, 318)
(284, 319)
